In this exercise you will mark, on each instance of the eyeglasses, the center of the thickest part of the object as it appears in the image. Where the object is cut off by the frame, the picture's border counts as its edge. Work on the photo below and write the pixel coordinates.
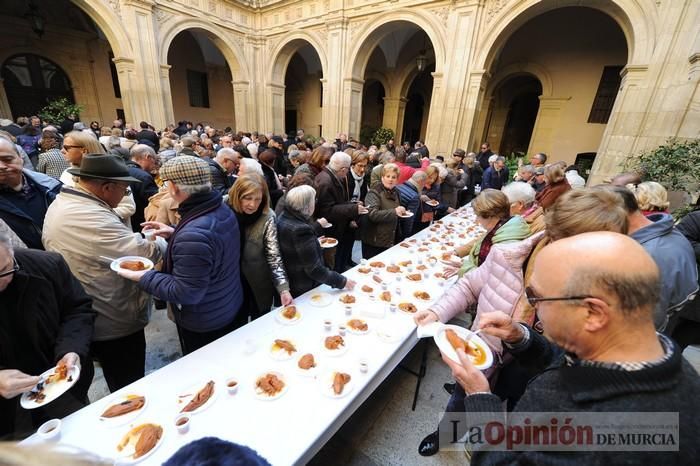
(533, 299)
(15, 268)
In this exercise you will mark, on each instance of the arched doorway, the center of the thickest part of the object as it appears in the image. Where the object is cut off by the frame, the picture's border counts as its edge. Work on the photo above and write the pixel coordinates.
(40, 64)
(200, 80)
(373, 96)
(303, 92)
(513, 113)
(403, 54)
(577, 74)
(32, 81)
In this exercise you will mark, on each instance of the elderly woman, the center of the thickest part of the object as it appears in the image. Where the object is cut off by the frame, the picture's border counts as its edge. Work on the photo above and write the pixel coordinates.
(376, 174)
(262, 269)
(382, 229)
(357, 182)
(522, 202)
(492, 210)
(652, 198)
(555, 185)
(301, 251)
(320, 157)
(267, 162)
(429, 195)
(451, 184)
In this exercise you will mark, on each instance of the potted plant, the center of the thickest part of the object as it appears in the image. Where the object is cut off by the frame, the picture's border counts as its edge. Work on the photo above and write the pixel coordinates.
(58, 110)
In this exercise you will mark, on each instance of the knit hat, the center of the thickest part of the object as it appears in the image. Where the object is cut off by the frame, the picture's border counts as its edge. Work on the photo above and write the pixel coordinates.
(186, 170)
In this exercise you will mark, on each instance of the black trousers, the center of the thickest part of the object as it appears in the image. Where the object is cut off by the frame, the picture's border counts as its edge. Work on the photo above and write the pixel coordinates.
(123, 359)
(343, 253)
(369, 251)
(192, 341)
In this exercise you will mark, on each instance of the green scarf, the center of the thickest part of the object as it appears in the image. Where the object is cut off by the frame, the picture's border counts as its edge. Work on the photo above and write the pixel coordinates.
(515, 229)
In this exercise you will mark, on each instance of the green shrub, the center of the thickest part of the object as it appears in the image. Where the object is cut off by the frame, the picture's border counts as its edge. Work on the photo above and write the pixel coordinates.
(382, 136)
(58, 110)
(676, 165)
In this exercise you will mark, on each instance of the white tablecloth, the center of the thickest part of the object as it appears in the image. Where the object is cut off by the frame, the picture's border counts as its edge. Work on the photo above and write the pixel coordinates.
(291, 429)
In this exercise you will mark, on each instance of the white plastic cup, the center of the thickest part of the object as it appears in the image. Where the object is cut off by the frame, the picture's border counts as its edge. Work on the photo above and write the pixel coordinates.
(327, 325)
(348, 310)
(341, 330)
(364, 366)
(149, 234)
(182, 422)
(50, 431)
(232, 386)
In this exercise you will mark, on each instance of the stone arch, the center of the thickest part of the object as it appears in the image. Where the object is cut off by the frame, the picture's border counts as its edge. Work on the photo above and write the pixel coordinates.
(373, 33)
(382, 79)
(285, 50)
(529, 68)
(110, 24)
(636, 25)
(222, 39)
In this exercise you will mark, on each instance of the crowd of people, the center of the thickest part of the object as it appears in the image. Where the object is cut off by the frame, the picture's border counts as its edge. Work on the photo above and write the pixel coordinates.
(233, 222)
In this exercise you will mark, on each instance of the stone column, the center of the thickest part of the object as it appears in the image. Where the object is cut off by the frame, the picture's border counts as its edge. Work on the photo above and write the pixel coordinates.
(394, 111)
(546, 124)
(241, 96)
(336, 98)
(473, 123)
(131, 92)
(5, 111)
(168, 109)
(276, 93)
(352, 92)
(434, 128)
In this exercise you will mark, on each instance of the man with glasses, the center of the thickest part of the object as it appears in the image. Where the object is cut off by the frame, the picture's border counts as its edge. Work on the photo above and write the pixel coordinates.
(45, 318)
(600, 352)
(82, 226)
(143, 164)
(223, 169)
(333, 202)
(24, 195)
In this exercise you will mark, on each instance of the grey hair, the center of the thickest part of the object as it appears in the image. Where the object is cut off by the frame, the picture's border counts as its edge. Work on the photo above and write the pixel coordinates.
(250, 166)
(253, 149)
(295, 154)
(6, 241)
(191, 189)
(302, 199)
(527, 169)
(419, 176)
(339, 160)
(386, 157)
(520, 192)
(140, 151)
(442, 171)
(226, 151)
(500, 158)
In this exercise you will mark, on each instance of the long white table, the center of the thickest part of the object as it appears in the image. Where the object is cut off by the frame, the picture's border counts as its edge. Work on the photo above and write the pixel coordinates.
(293, 428)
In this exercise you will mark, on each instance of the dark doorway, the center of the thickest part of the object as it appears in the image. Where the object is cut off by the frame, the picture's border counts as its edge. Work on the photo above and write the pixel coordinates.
(31, 82)
(372, 110)
(290, 121)
(514, 113)
(416, 115)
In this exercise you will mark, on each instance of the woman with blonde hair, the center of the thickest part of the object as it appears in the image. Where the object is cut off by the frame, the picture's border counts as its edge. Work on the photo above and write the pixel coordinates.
(263, 273)
(555, 185)
(76, 144)
(382, 228)
(320, 157)
(652, 198)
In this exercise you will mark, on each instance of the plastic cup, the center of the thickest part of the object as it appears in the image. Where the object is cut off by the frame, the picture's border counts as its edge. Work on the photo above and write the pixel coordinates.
(50, 430)
(232, 386)
(182, 422)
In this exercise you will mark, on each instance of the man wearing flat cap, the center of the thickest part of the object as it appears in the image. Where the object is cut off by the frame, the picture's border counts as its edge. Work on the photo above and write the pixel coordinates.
(83, 227)
(200, 278)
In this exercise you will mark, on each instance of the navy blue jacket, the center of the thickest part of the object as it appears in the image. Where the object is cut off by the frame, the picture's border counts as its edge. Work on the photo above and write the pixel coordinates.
(495, 179)
(410, 199)
(201, 272)
(142, 192)
(21, 222)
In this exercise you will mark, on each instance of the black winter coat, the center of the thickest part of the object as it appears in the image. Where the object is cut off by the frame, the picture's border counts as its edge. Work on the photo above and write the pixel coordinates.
(333, 203)
(142, 192)
(45, 315)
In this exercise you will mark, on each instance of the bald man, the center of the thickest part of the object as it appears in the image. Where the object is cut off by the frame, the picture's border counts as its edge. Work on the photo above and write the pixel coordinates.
(601, 352)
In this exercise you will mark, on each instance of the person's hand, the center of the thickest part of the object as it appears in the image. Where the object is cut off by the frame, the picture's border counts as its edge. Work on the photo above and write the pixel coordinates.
(400, 211)
(425, 198)
(451, 263)
(286, 298)
(361, 209)
(353, 224)
(14, 382)
(500, 325)
(323, 222)
(450, 210)
(350, 284)
(161, 229)
(71, 360)
(469, 377)
(450, 272)
(425, 317)
(461, 171)
(133, 275)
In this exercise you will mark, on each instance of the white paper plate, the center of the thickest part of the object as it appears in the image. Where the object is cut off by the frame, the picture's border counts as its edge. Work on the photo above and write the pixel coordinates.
(329, 245)
(123, 457)
(446, 347)
(279, 354)
(125, 418)
(325, 384)
(338, 352)
(387, 334)
(355, 331)
(432, 203)
(398, 306)
(406, 215)
(320, 299)
(186, 395)
(259, 394)
(115, 264)
(283, 320)
(52, 390)
(306, 372)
